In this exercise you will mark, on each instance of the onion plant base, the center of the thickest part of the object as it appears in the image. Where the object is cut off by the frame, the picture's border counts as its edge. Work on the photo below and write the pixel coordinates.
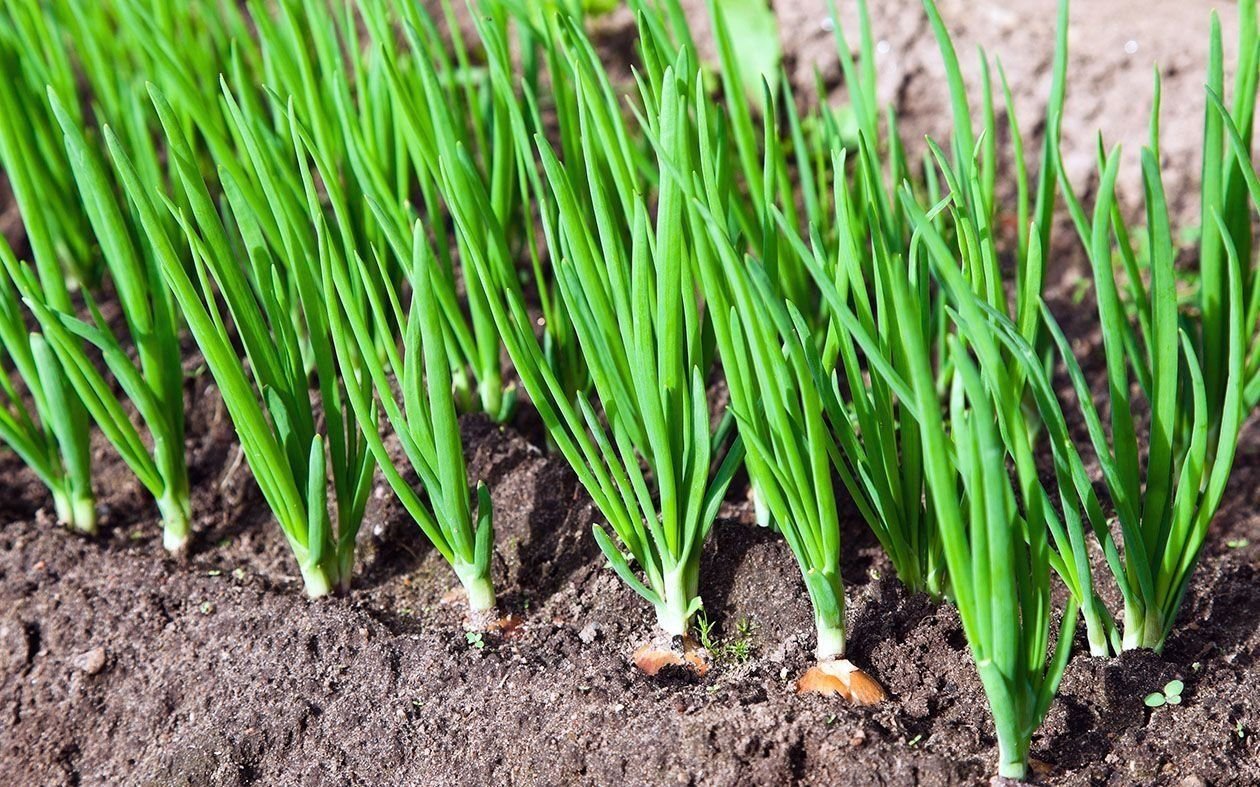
(841, 677)
(76, 512)
(1147, 631)
(1012, 760)
(176, 524)
(672, 656)
(478, 590)
(331, 576)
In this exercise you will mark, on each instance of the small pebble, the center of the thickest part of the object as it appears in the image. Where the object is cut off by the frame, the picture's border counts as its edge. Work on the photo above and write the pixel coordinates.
(15, 645)
(90, 662)
(589, 633)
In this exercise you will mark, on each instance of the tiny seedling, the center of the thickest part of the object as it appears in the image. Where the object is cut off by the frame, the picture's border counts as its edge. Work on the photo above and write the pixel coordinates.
(734, 650)
(1170, 695)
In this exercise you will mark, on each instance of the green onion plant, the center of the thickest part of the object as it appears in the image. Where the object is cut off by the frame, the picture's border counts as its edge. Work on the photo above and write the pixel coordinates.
(153, 382)
(1163, 506)
(50, 435)
(994, 531)
(424, 421)
(1191, 361)
(783, 401)
(652, 460)
(261, 257)
(54, 440)
(106, 50)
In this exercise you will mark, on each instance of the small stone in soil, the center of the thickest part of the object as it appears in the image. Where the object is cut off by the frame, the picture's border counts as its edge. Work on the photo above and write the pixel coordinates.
(15, 645)
(90, 662)
(589, 633)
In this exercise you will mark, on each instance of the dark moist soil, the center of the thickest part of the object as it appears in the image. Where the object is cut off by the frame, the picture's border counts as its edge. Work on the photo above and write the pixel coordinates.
(121, 666)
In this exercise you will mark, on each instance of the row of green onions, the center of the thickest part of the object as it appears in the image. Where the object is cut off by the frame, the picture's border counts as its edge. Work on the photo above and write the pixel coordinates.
(356, 210)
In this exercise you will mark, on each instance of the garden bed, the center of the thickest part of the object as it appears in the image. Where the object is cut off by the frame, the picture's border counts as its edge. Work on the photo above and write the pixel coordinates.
(119, 665)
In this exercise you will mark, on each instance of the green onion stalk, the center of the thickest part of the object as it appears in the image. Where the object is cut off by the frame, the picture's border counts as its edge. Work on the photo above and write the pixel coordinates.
(425, 421)
(781, 399)
(54, 441)
(274, 296)
(1008, 349)
(153, 383)
(994, 532)
(1163, 508)
(651, 461)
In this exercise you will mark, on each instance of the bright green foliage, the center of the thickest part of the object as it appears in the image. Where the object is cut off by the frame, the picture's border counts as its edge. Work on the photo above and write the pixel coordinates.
(110, 49)
(864, 240)
(52, 440)
(753, 170)
(876, 446)
(994, 532)
(1163, 506)
(1169, 695)
(382, 110)
(55, 444)
(518, 106)
(153, 382)
(425, 421)
(1013, 367)
(750, 28)
(626, 281)
(758, 164)
(1230, 194)
(960, 237)
(540, 97)
(794, 412)
(62, 48)
(970, 176)
(774, 378)
(262, 259)
(1194, 369)
(376, 122)
(1228, 177)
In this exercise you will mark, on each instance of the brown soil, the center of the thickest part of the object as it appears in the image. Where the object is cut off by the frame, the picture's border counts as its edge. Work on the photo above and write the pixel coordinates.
(119, 666)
